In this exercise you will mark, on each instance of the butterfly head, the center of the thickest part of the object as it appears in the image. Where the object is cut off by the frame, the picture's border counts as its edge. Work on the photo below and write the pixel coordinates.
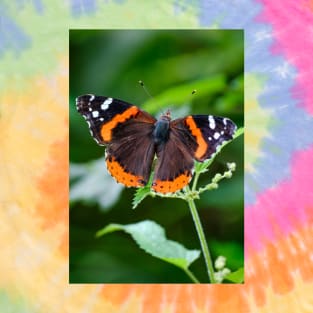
(166, 116)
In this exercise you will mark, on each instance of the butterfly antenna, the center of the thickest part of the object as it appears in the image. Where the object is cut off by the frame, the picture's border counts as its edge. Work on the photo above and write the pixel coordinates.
(189, 97)
(144, 88)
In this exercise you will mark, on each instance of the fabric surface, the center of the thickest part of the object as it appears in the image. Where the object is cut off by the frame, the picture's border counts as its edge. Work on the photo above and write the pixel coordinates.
(34, 155)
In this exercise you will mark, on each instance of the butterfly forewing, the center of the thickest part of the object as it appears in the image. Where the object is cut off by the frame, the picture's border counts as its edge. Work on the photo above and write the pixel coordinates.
(126, 130)
(102, 114)
(209, 132)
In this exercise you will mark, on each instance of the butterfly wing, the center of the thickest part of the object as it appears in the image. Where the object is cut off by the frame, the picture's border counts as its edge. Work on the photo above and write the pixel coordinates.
(174, 165)
(127, 132)
(193, 137)
(103, 114)
(208, 131)
(129, 155)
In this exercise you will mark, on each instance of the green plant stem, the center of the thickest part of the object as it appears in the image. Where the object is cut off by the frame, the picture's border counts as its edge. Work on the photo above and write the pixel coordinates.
(195, 181)
(191, 276)
(204, 246)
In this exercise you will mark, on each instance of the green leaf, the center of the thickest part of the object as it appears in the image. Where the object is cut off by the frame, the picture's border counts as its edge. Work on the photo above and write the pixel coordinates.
(151, 238)
(143, 192)
(178, 95)
(238, 132)
(201, 167)
(140, 195)
(236, 277)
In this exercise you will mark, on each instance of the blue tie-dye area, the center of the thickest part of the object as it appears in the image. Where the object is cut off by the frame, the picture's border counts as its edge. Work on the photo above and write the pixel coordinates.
(291, 132)
(228, 15)
(12, 36)
(38, 5)
(288, 132)
(80, 7)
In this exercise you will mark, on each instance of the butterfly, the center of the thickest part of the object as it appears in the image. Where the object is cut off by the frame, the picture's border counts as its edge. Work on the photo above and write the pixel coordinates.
(133, 138)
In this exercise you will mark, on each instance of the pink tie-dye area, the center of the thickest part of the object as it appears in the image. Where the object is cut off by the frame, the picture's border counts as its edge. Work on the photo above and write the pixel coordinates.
(289, 18)
(34, 160)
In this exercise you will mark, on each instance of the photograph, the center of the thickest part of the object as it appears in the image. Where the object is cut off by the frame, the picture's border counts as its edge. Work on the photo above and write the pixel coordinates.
(156, 156)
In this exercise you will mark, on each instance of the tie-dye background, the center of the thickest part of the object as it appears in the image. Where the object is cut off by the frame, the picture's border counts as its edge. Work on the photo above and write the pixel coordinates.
(34, 155)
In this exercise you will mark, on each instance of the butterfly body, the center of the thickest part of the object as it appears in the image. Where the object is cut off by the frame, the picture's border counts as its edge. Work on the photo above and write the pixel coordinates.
(161, 130)
(133, 138)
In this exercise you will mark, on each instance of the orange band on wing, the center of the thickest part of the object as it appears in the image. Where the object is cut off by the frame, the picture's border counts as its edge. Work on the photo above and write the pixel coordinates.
(106, 129)
(195, 131)
(118, 172)
(165, 186)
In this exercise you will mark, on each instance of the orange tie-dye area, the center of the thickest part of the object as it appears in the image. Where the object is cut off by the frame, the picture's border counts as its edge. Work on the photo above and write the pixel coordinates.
(34, 156)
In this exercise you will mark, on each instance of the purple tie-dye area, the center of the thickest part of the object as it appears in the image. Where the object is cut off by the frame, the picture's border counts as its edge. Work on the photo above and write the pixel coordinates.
(278, 156)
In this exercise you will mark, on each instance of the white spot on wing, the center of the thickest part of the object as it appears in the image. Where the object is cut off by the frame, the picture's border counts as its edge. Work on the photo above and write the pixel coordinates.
(95, 113)
(91, 97)
(211, 122)
(106, 103)
(216, 135)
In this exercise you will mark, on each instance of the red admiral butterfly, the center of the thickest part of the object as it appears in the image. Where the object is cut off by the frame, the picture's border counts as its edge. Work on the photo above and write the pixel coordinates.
(133, 137)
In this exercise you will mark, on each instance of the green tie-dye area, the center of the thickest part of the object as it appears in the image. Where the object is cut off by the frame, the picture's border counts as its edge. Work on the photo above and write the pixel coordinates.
(34, 164)
(46, 33)
(256, 120)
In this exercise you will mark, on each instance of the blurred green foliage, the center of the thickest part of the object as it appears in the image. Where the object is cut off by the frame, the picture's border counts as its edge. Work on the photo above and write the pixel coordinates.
(171, 63)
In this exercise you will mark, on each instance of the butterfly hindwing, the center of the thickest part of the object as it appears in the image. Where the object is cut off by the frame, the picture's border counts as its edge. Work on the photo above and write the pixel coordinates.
(129, 155)
(174, 165)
